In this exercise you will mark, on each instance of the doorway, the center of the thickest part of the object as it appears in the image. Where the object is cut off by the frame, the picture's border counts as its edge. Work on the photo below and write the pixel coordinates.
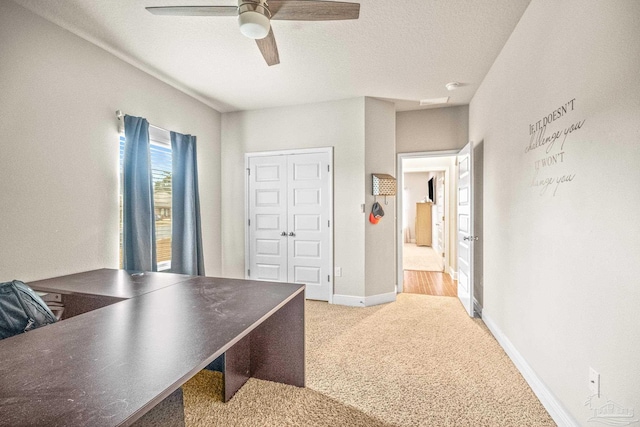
(427, 223)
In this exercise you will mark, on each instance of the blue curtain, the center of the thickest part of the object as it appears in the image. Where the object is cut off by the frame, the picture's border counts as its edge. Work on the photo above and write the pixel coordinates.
(186, 232)
(138, 239)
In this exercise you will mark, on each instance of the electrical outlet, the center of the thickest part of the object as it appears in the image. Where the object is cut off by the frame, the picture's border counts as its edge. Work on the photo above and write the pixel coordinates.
(338, 272)
(594, 382)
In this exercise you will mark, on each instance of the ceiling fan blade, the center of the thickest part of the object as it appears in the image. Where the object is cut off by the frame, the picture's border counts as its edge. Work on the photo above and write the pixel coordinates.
(269, 49)
(312, 10)
(194, 10)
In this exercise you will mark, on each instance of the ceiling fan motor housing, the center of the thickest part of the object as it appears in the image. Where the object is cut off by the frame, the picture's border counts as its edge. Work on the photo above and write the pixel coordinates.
(254, 18)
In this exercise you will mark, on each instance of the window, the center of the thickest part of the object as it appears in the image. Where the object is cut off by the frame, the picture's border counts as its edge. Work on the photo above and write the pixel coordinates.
(160, 145)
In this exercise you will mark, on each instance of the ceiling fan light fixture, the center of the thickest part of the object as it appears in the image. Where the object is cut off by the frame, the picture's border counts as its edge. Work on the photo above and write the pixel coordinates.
(254, 20)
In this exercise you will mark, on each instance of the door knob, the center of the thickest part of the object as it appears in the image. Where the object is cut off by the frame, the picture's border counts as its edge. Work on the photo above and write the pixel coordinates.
(470, 238)
(284, 233)
(292, 234)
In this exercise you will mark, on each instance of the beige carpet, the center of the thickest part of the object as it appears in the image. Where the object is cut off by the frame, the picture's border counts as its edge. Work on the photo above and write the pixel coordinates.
(423, 258)
(420, 361)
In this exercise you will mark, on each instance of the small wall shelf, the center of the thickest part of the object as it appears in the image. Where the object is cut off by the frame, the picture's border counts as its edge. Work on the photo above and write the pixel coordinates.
(383, 185)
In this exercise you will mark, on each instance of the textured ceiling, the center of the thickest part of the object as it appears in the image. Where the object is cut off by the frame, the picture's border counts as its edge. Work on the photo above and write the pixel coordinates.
(399, 50)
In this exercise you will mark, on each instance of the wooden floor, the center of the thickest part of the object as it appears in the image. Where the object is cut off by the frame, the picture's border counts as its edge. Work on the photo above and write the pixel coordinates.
(429, 283)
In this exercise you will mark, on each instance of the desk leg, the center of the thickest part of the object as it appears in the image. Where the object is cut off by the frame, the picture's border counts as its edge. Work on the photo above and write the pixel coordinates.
(277, 346)
(236, 367)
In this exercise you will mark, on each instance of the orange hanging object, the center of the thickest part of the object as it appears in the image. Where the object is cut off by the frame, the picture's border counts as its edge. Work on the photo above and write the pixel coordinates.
(376, 213)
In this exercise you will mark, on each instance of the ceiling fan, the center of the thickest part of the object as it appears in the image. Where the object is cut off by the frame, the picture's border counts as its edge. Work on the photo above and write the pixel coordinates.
(254, 17)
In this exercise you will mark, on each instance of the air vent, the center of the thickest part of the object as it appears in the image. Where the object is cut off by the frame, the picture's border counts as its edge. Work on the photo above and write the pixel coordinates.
(434, 101)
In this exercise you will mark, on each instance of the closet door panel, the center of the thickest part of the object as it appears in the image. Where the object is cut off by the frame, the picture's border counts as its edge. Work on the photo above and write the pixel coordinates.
(308, 216)
(268, 218)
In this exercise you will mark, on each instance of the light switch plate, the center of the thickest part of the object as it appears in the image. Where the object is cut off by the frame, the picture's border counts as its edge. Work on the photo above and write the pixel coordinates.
(594, 382)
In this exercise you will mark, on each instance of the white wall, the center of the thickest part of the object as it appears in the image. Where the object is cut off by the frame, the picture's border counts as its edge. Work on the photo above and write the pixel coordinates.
(561, 266)
(380, 149)
(339, 124)
(415, 190)
(434, 129)
(59, 155)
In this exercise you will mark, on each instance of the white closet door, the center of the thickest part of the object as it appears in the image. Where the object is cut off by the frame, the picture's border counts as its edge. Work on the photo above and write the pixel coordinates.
(268, 218)
(308, 218)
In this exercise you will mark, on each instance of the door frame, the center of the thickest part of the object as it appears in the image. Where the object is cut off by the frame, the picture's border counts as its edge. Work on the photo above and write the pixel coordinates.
(323, 150)
(400, 204)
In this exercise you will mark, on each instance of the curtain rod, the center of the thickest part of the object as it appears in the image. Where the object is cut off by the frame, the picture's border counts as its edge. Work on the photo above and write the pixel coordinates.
(120, 116)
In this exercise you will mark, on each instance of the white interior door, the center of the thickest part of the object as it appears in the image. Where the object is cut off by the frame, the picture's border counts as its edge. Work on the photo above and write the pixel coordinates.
(308, 218)
(440, 223)
(268, 218)
(289, 221)
(465, 228)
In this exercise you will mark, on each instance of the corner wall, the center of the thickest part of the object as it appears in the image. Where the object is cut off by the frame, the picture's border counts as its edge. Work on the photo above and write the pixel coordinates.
(561, 222)
(362, 132)
(380, 248)
(59, 164)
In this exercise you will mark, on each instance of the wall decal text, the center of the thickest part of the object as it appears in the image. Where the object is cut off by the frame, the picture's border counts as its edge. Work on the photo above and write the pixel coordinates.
(547, 138)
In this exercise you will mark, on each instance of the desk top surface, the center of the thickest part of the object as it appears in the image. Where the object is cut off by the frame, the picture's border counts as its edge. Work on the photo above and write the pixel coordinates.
(109, 283)
(111, 365)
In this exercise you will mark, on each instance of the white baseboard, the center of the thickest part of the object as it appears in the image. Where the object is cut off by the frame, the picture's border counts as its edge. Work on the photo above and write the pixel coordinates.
(353, 301)
(348, 300)
(453, 273)
(379, 299)
(555, 408)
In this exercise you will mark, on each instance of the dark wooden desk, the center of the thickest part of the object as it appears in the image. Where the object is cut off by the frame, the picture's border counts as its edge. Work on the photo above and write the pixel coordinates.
(88, 291)
(109, 366)
(109, 282)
